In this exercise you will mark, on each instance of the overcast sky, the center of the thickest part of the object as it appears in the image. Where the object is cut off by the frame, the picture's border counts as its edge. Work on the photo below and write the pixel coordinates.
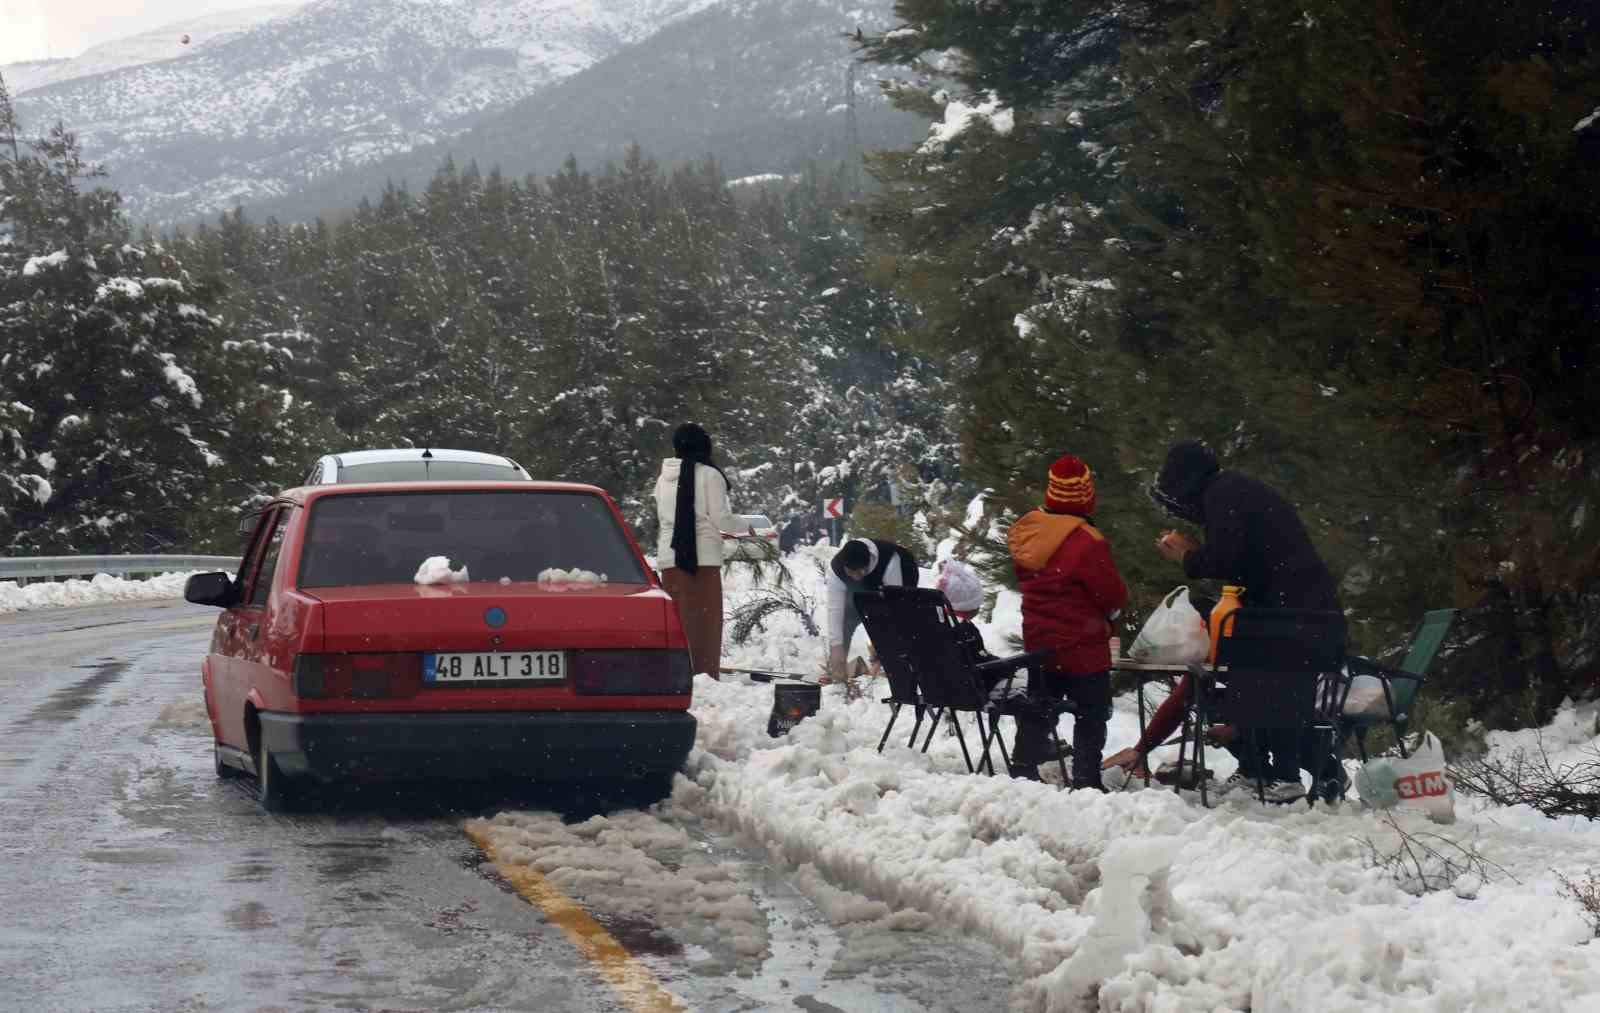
(35, 29)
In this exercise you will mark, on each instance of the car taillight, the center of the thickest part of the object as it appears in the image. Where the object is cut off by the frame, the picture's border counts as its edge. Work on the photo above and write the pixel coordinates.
(632, 673)
(356, 676)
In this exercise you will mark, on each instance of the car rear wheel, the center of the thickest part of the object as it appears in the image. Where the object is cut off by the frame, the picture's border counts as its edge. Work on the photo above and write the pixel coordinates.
(272, 788)
(225, 771)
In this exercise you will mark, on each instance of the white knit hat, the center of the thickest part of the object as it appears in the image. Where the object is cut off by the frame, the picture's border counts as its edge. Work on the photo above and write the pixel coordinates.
(962, 585)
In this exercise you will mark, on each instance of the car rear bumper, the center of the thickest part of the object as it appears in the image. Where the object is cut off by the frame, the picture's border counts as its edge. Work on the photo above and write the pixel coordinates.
(556, 746)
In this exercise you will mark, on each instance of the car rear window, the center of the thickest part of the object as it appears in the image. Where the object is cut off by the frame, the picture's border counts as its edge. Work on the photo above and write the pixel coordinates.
(382, 538)
(428, 471)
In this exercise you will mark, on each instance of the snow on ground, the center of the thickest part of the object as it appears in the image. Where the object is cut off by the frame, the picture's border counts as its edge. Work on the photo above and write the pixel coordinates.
(641, 869)
(1571, 739)
(97, 590)
(1138, 900)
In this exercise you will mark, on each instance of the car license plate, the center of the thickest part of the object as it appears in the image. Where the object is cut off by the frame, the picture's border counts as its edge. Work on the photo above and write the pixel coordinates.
(500, 666)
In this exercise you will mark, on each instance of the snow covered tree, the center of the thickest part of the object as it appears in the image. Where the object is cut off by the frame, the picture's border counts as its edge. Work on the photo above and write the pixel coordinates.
(1321, 236)
(128, 406)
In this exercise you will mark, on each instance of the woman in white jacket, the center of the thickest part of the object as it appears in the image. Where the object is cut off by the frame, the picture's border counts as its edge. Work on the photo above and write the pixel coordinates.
(692, 508)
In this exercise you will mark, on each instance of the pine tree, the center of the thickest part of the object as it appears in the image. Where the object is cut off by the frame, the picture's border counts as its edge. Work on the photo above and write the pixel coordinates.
(132, 411)
(1321, 236)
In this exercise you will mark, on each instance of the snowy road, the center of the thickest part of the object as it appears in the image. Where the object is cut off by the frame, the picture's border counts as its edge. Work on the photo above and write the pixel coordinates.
(134, 880)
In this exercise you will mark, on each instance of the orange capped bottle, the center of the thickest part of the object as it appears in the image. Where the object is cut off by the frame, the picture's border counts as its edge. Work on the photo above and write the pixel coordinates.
(1226, 604)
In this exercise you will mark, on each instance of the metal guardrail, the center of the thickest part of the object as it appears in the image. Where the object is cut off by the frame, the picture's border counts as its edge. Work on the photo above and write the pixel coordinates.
(25, 568)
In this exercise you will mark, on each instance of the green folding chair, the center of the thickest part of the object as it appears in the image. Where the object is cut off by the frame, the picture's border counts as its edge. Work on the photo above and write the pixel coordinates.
(1400, 685)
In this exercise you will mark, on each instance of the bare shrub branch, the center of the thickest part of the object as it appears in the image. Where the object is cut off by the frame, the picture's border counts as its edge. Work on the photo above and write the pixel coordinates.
(1586, 892)
(1532, 779)
(1426, 861)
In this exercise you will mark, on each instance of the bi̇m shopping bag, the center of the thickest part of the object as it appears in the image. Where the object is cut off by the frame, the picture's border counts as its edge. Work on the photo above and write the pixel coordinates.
(1175, 633)
(1415, 782)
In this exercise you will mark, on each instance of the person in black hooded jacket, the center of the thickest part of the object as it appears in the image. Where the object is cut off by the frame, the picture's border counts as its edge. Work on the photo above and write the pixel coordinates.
(1253, 538)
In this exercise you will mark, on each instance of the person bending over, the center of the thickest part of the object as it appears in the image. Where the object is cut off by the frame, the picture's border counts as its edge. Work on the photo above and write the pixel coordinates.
(1254, 538)
(861, 564)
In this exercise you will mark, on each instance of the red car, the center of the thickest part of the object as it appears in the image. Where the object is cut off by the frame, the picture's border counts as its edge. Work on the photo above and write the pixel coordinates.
(555, 656)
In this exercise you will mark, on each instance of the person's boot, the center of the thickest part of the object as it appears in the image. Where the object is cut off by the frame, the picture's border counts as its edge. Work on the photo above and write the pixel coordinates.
(1025, 771)
(1088, 742)
(1086, 772)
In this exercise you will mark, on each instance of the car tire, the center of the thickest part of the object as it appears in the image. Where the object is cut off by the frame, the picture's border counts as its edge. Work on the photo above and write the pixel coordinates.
(225, 771)
(272, 788)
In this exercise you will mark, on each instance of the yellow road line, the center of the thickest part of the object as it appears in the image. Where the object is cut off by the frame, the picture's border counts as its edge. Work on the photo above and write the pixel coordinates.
(632, 981)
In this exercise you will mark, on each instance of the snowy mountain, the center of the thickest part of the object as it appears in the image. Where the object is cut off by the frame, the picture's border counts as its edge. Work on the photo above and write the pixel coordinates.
(164, 43)
(760, 85)
(267, 105)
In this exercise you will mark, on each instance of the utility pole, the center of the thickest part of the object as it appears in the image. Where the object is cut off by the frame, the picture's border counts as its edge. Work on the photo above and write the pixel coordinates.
(852, 135)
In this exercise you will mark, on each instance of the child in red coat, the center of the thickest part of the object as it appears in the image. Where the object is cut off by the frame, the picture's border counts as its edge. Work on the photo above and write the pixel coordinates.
(1071, 590)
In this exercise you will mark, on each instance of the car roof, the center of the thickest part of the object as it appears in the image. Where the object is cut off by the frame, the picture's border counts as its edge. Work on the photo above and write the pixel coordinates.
(384, 456)
(305, 494)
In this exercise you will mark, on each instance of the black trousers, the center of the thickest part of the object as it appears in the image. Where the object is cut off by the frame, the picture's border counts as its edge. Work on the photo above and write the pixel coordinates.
(1091, 694)
(1281, 753)
(1271, 752)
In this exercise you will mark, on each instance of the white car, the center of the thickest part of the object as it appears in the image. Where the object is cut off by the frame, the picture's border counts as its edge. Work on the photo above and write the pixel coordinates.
(762, 546)
(414, 464)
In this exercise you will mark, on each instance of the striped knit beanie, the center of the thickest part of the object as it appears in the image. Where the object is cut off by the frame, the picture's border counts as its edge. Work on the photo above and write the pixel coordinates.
(1071, 488)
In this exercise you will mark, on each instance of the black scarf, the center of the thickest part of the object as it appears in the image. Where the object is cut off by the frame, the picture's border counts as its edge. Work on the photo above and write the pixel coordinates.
(685, 550)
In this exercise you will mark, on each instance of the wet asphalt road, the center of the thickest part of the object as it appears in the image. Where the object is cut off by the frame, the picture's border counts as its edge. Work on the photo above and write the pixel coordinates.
(131, 878)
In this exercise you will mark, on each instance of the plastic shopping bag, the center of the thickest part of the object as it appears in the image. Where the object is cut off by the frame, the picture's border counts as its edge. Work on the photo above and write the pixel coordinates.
(1416, 782)
(1366, 698)
(1175, 633)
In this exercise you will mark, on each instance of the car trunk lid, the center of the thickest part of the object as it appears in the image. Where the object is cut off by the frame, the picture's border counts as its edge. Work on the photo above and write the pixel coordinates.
(489, 616)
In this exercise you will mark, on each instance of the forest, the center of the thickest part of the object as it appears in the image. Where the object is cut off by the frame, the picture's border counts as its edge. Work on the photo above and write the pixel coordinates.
(1353, 245)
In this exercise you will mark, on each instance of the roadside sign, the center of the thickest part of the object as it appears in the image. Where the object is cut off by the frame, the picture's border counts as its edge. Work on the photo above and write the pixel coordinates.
(833, 508)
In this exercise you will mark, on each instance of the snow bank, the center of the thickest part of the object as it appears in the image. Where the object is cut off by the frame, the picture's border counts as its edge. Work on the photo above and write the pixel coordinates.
(1138, 900)
(1141, 899)
(1571, 739)
(100, 589)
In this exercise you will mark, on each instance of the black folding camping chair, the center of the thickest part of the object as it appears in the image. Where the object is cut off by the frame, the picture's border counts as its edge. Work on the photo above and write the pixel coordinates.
(914, 632)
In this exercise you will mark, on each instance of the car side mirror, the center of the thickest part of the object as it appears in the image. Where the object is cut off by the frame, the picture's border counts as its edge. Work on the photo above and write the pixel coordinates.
(211, 589)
